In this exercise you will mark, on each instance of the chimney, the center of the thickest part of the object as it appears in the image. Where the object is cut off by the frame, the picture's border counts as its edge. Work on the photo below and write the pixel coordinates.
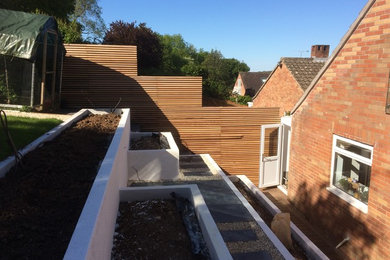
(320, 51)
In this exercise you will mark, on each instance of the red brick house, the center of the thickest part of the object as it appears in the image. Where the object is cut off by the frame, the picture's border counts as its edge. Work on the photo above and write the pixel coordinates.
(339, 170)
(290, 79)
(248, 83)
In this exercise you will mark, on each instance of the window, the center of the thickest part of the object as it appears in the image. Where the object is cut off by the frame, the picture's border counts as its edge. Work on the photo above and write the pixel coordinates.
(351, 170)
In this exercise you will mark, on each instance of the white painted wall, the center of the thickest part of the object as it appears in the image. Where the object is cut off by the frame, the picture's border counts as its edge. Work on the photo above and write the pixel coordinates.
(92, 238)
(154, 165)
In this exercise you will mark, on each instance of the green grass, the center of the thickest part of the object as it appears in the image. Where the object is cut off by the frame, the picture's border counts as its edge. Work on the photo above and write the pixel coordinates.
(23, 131)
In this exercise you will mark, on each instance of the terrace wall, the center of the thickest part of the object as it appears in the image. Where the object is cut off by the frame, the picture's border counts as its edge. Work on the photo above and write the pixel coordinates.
(231, 135)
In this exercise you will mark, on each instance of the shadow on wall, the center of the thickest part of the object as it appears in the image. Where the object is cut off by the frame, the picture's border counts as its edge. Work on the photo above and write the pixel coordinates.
(335, 221)
(90, 85)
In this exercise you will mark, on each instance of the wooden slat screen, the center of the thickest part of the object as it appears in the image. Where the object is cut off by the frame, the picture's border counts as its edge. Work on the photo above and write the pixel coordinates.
(231, 135)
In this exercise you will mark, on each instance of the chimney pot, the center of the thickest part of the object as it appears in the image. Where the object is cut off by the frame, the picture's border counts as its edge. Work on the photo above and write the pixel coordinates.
(319, 51)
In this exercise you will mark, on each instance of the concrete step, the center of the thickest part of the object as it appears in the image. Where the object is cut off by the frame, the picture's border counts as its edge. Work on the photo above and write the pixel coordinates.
(194, 165)
(190, 158)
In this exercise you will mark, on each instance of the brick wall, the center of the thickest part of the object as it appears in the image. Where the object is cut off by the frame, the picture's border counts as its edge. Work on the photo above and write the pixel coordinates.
(349, 100)
(281, 90)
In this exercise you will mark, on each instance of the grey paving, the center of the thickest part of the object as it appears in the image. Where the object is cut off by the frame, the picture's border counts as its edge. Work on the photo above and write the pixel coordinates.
(263, 255)
(197, 173)
(228, 213)
(238, 235)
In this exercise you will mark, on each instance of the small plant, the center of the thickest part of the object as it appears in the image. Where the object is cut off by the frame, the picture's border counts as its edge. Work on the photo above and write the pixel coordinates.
(27, 109)
(240, 99)
(7, 95)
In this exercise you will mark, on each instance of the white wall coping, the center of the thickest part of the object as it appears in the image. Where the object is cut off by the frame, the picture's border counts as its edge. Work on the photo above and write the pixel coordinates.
(101, 207)
(9, 162)
(272, 237)
(311, 250)
(212, 236)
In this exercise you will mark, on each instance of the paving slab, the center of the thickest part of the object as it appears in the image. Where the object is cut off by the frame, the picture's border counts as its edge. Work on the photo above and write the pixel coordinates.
(238, 235)
(263, 255)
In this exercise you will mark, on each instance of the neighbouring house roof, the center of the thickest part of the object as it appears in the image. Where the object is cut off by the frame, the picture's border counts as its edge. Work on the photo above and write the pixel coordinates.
(303, 69)
(343, 41)
(253, 80)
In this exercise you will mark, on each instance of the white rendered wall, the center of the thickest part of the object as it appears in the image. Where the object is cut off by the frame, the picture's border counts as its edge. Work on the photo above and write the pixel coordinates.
(92, 238)
(154, 165)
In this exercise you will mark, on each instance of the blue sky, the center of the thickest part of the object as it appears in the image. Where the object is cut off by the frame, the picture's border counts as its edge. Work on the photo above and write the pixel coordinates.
(257, 32)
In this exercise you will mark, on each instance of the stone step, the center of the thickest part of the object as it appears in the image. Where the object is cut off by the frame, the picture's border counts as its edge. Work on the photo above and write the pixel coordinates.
(197, 173)
(238, 235)
(227, 213)
(264, 255)
(195, 169)
(193, 165)
(190, 158)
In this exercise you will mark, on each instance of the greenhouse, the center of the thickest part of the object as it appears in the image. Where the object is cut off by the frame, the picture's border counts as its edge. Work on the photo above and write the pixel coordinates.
(31, 55)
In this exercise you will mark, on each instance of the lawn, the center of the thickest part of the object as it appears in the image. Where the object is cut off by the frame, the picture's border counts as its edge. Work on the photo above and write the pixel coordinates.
(23, 131)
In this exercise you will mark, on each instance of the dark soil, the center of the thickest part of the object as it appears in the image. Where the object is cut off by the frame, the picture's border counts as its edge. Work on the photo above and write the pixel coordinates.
(40, 203)
(155, 141)
(151, 229)
(297, 251)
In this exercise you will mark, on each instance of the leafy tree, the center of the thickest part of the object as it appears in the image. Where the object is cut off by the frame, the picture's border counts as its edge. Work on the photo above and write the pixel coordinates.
(88, 14)
(70, 31)
(147, 41)
(175, 54)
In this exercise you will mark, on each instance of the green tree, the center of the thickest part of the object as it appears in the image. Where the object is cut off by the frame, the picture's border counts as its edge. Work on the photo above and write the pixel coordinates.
(175, 54)
(88, 13)
(70, 31)
(149, 49)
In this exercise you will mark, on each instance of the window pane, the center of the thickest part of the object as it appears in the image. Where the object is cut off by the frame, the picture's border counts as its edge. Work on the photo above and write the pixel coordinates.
(354, 148)
(271, 141)
(352, 177)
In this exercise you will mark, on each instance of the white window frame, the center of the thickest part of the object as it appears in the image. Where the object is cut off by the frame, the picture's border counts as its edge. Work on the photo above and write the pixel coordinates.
(338, 192)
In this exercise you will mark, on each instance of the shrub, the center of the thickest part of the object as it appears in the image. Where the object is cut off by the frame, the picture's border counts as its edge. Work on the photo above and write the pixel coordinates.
(240, 99)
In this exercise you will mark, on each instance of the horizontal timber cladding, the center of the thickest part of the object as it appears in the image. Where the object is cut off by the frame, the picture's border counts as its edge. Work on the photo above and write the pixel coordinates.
(231, 135)
(120, 58)
(99, 76)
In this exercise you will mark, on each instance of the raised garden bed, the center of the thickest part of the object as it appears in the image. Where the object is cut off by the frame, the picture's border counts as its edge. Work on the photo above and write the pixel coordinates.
(156, 157)
(154, 229)
(41, 202)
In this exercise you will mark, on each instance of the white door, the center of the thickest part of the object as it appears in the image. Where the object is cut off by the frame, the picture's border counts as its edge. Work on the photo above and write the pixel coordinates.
(270, 155)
